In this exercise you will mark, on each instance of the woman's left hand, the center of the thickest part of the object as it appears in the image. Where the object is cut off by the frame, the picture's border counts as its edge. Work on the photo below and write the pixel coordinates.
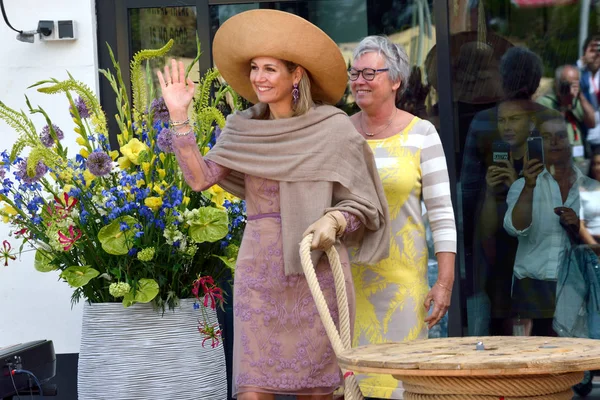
(440, 296)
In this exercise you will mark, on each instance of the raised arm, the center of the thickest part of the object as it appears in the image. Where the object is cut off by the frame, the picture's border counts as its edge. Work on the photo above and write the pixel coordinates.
(198, 173)
(178, 94)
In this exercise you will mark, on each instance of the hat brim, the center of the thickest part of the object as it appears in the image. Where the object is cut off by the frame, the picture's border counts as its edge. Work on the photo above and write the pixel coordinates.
(496, 43)
(281, 35)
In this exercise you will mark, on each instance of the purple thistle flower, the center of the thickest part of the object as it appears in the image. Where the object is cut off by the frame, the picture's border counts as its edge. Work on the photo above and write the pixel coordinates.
(99, 163)
(161, 113)
(46, 137)
(82, 108)
(21, 172)
(164, 140)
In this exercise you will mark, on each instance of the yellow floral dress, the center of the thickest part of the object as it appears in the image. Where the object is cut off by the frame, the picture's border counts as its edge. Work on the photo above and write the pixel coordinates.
(390, 295)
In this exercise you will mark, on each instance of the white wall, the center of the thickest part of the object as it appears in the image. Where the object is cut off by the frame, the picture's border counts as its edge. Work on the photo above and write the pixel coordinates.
(35, 305)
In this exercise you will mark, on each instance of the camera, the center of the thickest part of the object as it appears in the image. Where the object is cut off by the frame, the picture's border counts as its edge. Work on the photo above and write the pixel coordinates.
(564, 88)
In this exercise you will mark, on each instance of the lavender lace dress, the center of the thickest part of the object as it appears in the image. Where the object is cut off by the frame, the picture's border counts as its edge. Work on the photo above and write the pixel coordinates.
(280, 344)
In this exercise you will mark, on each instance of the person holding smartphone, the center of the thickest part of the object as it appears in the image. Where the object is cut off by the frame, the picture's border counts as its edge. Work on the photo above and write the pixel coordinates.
(516, 122)
(542, 214)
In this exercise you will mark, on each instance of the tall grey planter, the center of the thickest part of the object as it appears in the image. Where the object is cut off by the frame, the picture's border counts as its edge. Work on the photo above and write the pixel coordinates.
(137, 353)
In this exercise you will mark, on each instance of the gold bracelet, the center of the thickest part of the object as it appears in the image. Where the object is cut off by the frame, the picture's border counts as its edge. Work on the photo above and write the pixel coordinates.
(444, 287)
(179, 123)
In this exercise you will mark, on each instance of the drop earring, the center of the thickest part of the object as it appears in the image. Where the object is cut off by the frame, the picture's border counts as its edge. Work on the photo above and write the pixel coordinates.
(295, 94)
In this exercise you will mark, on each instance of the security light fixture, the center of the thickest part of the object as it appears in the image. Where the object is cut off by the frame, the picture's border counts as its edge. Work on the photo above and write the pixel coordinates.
(45, 28)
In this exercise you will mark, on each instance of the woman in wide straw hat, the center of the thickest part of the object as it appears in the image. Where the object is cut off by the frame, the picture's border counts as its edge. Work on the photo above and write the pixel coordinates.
(302, 168)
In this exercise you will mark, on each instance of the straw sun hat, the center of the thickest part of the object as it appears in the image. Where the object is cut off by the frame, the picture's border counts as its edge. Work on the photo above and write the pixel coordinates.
(281, 35)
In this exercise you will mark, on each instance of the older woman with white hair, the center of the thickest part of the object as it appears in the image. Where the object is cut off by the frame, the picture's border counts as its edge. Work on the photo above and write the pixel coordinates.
(393, 297)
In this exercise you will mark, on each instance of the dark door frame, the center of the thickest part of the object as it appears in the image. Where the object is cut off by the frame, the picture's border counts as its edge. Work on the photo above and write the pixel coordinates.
(448, 131)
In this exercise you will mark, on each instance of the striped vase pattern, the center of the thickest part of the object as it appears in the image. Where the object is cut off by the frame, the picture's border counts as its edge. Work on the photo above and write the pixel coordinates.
(137, 353)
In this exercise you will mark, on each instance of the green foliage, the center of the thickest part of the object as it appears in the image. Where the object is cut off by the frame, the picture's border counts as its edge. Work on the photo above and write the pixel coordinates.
(138, 78)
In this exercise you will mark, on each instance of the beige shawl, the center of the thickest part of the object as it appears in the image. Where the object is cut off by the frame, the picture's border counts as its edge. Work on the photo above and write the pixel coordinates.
(321, 162)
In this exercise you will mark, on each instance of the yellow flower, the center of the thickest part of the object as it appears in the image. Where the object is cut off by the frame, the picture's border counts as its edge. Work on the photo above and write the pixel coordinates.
(84, 152)
(66, 175)
(185, 201)
(7, 212)
(153, 202)
(158, 189)
(146, 167)
(162, 157)
(114, 154)
(133, 149)
(161, 174)
(89, 177)
(204, 150)
(80, 141)
(124, 163)
(67, 188)
(140, 183)
(217, 196)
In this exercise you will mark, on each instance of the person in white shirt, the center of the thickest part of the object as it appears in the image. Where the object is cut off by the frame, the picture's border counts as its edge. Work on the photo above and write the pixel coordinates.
(590, 224)
(542, 213)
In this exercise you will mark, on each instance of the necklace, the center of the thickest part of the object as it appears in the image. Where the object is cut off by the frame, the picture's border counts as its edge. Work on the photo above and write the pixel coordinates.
(378, 132)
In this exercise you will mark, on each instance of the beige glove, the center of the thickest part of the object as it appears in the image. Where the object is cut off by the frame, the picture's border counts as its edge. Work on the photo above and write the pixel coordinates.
(326, 229)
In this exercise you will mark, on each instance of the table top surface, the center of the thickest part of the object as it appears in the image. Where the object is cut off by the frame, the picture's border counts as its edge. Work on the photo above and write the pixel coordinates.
(501, 355)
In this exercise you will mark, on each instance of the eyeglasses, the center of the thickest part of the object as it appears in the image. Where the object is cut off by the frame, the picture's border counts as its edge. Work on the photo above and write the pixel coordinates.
(367, 73)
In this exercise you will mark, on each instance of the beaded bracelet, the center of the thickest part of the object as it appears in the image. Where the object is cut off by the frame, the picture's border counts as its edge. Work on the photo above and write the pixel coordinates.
(179, 123)
(180, 134)
(443, 287)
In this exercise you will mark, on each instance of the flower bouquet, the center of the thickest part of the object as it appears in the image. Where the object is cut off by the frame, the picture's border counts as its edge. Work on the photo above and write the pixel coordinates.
(121, 224)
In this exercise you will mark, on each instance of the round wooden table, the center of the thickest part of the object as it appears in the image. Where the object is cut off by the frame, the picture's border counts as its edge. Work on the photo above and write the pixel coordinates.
(473, 368)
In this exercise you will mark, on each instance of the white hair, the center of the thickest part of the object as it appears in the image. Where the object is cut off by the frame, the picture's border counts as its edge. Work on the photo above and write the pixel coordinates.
(393, 54)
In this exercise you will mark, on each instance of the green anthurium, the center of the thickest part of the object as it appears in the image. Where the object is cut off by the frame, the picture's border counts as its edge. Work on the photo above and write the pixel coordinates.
(146, 291)
(79, 276)
(211, 225)
(114, 240)
(228, 261)
(42, 261)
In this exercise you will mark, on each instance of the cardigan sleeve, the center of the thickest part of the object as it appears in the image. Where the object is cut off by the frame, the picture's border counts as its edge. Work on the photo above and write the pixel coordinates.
(436, 192)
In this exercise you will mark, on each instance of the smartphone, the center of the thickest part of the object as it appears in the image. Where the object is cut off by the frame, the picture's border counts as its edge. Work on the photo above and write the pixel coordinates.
(535, 148)
(500, 151)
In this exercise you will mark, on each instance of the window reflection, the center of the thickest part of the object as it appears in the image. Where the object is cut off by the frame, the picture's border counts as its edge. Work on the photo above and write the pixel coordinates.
(526, 141)
(152, 28)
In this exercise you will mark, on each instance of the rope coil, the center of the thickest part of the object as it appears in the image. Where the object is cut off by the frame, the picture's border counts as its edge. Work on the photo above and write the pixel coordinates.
(340, 340)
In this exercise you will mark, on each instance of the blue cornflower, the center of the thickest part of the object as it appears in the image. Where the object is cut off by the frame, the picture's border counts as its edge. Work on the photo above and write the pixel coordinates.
(139, 234)
(80, 159)
(83, 217)
(132, 252)
(123, 226)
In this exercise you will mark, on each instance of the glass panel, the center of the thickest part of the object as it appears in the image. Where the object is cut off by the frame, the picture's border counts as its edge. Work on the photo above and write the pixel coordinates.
(409, 23)
(151, 28)
(522, 93)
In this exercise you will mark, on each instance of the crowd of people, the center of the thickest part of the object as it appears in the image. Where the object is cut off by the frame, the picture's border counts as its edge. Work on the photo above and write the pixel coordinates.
(362, 183)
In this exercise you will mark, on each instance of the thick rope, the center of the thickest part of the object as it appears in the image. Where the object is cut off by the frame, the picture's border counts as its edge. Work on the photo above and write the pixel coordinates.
(509, 386)
(566, 395)
(340, 340)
